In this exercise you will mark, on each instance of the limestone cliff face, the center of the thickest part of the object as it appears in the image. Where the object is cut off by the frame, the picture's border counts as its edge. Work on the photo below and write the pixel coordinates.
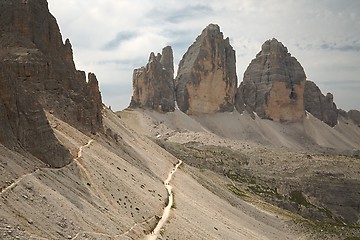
(37, 73)
(206, 81)
(273, 85)
(153, 85)
(320, 106)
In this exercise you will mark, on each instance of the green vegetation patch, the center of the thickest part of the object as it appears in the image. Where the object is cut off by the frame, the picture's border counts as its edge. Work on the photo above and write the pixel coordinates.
(215, 158)
(299, 198)
(237, 191)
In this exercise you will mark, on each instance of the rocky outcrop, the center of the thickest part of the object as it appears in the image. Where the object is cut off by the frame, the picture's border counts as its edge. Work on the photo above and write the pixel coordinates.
(153, 85)
(273, 85)
(25, 126)
(354, 115)
(37, 73)
(320, 106)
(206, 81)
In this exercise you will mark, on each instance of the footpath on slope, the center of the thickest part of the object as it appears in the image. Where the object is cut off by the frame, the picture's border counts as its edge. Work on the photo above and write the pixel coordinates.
(155, 233)
(17, 181)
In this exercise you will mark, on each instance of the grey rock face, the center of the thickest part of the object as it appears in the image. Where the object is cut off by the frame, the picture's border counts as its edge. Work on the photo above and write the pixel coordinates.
(153, 85)
(37, 73)
(354, 115)
(273, 85)
(320, 106)
(24, 125)
(206, 81)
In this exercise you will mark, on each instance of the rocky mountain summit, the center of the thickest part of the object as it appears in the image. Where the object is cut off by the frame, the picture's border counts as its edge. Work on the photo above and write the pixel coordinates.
(273, 85)
(153, 85)
(37, 74)
(206, 81)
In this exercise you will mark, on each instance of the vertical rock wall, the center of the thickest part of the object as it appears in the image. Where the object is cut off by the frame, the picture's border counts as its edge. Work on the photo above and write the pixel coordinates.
(273, 85)
(206, 81)
(37, 73)
(153, 85)
(320, 106)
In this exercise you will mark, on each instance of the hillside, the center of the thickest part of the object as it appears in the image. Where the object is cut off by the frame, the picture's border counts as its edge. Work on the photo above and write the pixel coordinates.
(311, 177)
(114, 190)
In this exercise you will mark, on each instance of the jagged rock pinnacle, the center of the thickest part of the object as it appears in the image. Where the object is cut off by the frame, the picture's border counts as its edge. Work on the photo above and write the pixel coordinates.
(153, 85)
(206, 81)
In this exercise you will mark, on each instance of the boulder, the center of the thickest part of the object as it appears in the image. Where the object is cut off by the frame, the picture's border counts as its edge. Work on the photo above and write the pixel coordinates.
(153, 85)
(206, 81)
(273, 85)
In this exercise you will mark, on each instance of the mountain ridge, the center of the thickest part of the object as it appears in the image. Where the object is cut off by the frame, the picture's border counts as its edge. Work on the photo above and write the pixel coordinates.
(274, 85)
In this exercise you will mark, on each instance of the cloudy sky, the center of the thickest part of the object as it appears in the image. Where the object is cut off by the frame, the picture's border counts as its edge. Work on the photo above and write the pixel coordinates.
(112, 37)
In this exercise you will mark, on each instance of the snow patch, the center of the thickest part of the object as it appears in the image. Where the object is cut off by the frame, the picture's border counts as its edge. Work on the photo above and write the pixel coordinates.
(308, 114)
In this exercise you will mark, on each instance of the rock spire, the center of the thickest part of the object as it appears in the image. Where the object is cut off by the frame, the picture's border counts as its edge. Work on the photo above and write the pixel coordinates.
(320, 106)
(273, 85)
(206, 81)
(153, 85)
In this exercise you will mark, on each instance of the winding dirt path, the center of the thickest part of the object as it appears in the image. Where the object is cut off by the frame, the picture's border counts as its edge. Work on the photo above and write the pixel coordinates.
(155, 233)
(82, 147)
(17, 181)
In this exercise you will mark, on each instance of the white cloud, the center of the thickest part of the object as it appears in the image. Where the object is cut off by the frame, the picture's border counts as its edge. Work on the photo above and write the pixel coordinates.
(111, 38)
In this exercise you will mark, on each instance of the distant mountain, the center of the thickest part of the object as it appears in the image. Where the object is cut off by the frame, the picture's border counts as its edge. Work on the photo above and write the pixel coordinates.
(274, 85)
(206, 81)
(153, 85)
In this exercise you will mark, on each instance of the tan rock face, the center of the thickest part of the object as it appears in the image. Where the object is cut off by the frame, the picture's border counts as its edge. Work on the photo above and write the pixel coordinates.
(37, 73)
(273, 85)
(206, 81)
(285, 108)
(153, 85)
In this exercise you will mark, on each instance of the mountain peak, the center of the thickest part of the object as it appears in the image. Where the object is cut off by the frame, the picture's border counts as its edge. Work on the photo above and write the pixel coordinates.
(212, 28)
(273, 84)
(206, 81)
(273, 46)
(153, 85)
